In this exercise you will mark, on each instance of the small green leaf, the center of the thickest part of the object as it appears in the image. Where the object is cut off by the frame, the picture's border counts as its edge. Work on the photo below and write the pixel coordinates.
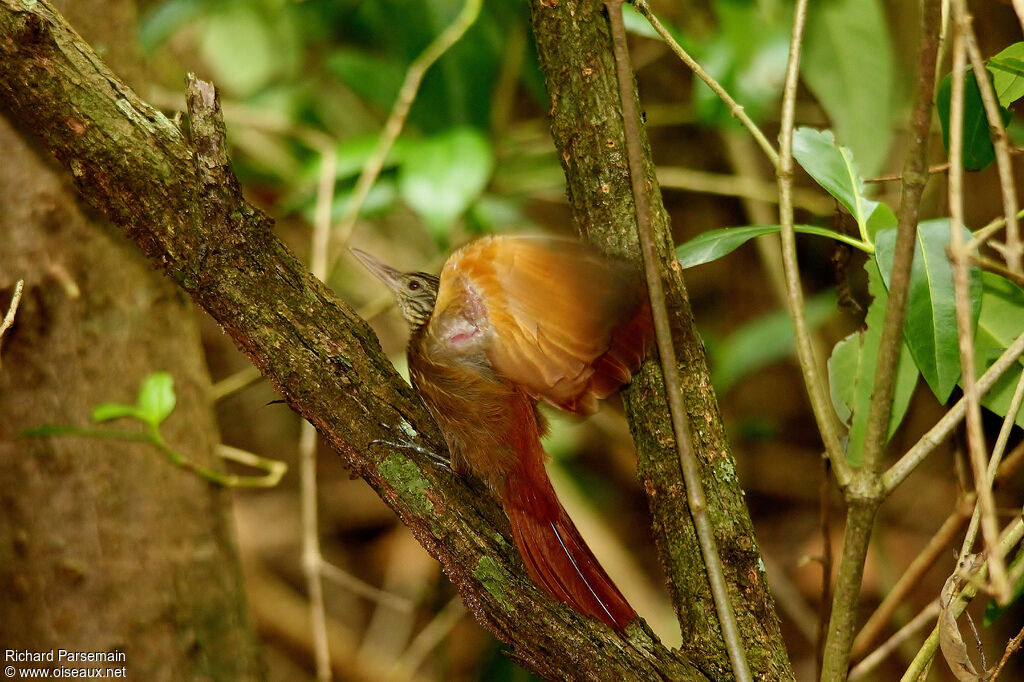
(978, 151)
(762, 341)
(156, 398)
(1007, 70)
(834, 168)
(441, 176)
(107, 411)
(849, 66)
(1000, 323)
(930, 329)
(851, 371)
(714, 244)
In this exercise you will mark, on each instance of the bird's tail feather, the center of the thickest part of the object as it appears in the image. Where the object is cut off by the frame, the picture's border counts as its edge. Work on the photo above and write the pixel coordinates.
(559, 560)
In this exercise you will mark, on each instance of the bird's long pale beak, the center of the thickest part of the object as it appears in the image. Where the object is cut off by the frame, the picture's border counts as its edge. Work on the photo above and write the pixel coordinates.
(385, 273)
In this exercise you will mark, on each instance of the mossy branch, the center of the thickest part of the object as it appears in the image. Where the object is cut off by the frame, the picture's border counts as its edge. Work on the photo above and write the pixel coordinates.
(175, 196)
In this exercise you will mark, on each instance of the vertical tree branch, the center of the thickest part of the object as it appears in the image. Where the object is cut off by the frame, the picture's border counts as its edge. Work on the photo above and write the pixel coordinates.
(866, 492)
(821, 404)
(961, 269)
(573, 44)
(666, 351)
(915, 177)
(312, 558)
(1013, 249)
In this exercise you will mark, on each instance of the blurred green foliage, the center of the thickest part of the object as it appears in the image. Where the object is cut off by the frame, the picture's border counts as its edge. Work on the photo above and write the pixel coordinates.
(301, 73)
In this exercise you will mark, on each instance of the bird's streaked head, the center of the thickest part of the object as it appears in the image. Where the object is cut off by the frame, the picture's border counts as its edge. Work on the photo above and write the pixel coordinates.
(415, 292)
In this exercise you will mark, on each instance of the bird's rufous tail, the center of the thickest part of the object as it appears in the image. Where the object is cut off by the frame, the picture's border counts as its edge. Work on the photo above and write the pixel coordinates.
(556, 555)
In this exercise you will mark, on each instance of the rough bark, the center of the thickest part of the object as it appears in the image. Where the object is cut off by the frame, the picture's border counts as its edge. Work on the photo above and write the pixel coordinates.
(574, 45)
(178, 200)
(105, 546)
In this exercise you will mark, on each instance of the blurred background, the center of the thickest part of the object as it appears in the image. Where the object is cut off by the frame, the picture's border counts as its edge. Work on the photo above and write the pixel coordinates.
(304, 83)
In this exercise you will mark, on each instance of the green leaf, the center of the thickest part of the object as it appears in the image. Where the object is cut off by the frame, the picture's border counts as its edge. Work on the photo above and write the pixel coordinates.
(851, 372)
(714, 244)
(930, 329)
(834, 169)
(156, 398)
(978, 151)
(763, 341)
(107, 411)
(1007, 71)
(848, 65)
(1000, 323)
(441, 176)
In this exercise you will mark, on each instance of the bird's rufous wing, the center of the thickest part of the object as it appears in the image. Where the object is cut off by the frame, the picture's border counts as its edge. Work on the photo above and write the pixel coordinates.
(550, 314)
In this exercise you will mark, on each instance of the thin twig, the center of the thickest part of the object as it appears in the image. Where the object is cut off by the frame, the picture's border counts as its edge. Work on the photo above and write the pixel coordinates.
(821, 403)
(932, 170)
(961, 274)
(1009, 421)
(1014, 249)
(894, 177)
(984, 234)
(1011, 647)
(312, 558)
(429, 637)
(466, 17)
(365, 589)
(734, 107)
(875, 658)
(692, 180)
(922, 660)
(938, 433)
(993, 469)
(12, 308)
(666, 351)
(997, 268)
(235, 382)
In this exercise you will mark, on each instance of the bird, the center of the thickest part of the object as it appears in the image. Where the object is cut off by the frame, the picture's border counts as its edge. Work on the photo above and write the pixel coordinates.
(513, 321)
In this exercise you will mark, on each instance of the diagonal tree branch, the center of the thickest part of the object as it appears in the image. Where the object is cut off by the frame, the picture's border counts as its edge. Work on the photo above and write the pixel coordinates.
(176, 197)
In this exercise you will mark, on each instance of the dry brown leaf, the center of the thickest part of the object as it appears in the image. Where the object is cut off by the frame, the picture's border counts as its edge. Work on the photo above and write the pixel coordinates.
(954, 649)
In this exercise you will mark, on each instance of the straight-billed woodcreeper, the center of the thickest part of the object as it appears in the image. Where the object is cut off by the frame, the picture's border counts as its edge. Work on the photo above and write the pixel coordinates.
(512, 321)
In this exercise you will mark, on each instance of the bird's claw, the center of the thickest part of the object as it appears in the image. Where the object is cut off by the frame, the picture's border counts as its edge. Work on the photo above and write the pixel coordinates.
(434, 457)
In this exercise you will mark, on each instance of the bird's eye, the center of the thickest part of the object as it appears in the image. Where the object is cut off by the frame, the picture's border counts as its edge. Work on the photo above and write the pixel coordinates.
(414, 285)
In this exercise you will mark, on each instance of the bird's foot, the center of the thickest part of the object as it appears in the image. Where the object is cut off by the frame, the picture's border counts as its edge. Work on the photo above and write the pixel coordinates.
(437, 458)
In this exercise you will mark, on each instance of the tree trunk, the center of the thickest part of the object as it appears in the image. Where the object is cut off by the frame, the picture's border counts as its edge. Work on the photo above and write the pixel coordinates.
(104, 545)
